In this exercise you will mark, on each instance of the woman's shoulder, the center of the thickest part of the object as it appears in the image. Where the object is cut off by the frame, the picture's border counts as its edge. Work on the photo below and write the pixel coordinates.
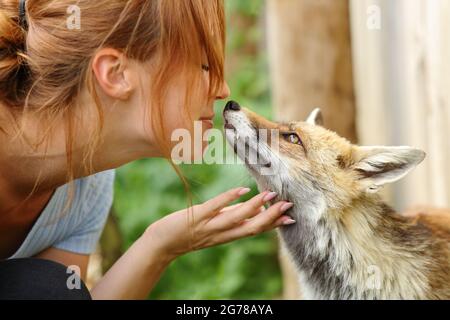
(92, 198)
(96, 188)
(78, 229)
(91, 201)
(100, 177)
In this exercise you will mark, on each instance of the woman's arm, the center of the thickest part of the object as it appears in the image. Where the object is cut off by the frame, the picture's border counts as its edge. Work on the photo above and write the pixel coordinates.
(132, 276)
(135, 274)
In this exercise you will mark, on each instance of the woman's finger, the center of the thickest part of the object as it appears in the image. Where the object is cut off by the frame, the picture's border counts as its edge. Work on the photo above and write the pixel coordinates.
(247, 210)
(214, 205)
(264, 221)
(234, 206)
(284, 220)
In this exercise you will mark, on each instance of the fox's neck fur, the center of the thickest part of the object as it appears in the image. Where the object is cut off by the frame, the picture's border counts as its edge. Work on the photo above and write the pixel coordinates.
(365, 251)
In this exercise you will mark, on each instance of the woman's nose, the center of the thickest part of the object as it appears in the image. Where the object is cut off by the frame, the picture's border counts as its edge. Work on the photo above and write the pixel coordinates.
(224, 92)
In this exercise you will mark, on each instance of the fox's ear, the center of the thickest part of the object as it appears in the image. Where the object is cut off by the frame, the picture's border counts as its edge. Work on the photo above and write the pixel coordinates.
(315, 117)
(380, 165)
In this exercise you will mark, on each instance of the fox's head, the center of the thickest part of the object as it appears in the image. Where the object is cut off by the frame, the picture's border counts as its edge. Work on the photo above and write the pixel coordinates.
(311, 165)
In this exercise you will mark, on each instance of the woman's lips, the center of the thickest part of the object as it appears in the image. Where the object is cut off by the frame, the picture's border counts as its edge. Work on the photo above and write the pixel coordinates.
(208, 122)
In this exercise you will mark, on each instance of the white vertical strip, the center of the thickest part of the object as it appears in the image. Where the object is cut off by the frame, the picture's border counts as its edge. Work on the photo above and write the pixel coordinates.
(444, 95)
(369, 74)
(406, 60)
(402, 83)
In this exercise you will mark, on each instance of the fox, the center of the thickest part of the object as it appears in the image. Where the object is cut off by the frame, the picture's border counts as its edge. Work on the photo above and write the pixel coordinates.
(347, 242)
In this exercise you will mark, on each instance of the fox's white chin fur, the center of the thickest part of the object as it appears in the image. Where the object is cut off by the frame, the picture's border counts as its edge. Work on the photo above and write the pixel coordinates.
(279, 177)
(334, 262)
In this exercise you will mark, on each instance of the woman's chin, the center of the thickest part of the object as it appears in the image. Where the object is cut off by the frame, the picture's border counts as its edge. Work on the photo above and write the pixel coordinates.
(206, 125)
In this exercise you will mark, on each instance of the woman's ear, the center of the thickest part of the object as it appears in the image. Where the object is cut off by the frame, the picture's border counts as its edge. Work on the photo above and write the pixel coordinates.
(111, 69)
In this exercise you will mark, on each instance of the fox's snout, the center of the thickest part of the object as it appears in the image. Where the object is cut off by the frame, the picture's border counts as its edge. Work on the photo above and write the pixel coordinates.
(234, 114)
(253, 138)
(232, 106)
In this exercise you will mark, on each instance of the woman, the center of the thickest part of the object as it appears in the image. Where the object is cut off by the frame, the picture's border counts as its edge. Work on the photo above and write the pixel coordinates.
(83, 90)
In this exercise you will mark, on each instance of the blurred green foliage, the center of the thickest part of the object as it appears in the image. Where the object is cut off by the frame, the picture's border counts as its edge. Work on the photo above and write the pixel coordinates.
(148, 189)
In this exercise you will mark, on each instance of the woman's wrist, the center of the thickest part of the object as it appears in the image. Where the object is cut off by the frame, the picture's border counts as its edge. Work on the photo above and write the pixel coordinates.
(135, 274)
(151, 239)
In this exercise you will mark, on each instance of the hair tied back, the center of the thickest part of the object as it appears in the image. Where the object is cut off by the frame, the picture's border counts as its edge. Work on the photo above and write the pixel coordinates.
(23, 14)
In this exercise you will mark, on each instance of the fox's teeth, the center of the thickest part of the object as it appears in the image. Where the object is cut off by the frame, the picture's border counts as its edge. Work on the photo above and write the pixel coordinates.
(237, 136)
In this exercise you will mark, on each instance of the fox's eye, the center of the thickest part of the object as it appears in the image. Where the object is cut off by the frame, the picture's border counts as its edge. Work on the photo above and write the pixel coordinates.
(293, 138)
(205, 67)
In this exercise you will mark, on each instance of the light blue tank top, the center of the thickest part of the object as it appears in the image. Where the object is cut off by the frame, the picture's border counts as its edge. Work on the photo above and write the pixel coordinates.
(79, 228)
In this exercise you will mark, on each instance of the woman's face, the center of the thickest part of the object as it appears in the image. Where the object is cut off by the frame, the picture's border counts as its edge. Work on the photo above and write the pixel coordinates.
(198, 114)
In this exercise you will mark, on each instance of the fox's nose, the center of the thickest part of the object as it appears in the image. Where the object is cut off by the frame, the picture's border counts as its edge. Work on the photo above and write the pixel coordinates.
(232, 106)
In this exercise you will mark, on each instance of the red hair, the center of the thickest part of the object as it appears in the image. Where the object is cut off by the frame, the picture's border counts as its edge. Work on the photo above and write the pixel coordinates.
(43, 70)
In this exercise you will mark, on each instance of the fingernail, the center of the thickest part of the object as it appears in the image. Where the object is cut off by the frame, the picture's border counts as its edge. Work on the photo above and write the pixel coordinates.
(243, 191)
(286, 206)
(269, 196)
(288, 221)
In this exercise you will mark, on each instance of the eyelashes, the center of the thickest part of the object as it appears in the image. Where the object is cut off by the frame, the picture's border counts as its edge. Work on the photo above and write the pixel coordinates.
(205, 67)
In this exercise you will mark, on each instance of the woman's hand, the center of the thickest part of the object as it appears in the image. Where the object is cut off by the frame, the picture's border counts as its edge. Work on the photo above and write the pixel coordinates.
(213, 223)
(203, 225)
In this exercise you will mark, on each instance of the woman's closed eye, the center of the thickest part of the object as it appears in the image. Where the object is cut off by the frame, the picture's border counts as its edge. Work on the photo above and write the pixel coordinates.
(205, 67)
